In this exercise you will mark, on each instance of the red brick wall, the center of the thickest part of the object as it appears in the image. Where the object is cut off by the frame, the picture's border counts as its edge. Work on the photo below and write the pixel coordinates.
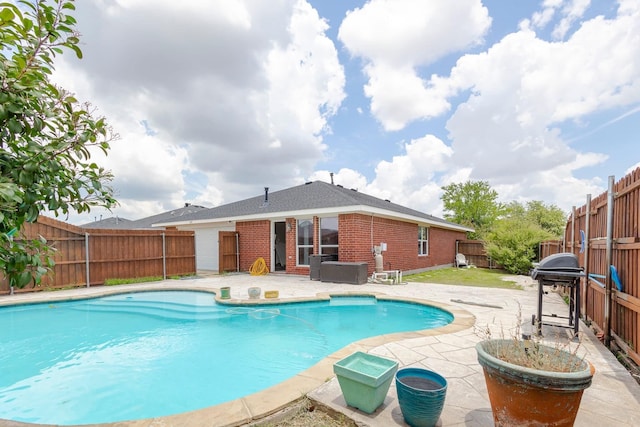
(358, 234)
(354, 239)
(254, 242)
(442, 245)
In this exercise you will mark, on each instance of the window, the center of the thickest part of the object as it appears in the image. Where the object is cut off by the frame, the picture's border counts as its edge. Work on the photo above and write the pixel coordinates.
(423, 240)
(329, 236)
(304, 240)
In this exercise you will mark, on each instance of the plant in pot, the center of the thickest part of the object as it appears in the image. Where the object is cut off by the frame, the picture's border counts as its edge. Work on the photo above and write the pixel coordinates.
(530, 383)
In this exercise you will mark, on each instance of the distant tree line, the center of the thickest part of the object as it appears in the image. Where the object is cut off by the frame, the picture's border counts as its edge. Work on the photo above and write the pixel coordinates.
(511, 232)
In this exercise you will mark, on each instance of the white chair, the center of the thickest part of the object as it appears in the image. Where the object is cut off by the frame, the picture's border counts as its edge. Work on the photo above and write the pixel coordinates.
(461, 261)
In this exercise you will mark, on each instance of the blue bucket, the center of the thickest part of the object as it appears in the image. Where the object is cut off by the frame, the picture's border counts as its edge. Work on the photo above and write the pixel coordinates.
(421, 395)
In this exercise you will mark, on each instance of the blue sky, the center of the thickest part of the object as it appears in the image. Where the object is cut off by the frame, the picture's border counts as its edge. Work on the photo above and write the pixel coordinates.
(215, 100)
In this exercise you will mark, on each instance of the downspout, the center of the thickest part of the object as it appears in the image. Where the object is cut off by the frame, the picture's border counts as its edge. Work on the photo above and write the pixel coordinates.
(608, 258)
(237, 252)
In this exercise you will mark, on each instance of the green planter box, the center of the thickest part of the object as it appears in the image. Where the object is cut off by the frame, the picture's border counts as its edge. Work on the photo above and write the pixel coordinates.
(365, 379)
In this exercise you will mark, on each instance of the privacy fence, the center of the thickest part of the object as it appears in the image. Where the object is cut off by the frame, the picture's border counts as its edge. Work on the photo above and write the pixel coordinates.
(605, 235)
(474, 252)
(550, 247)
(85, 257)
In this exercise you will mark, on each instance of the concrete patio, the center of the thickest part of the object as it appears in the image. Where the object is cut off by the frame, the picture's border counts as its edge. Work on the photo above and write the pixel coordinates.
(613, 398)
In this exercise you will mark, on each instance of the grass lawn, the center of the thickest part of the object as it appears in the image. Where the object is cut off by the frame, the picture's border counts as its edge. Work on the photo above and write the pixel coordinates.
(465, 277)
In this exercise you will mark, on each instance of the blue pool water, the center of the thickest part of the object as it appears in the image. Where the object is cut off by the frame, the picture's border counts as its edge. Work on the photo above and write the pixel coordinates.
(148, 354)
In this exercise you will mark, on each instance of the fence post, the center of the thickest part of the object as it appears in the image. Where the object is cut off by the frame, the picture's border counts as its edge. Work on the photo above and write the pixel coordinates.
(608, 258)
(164, 257)
(573, 229)
(86, 257)
(587, 248)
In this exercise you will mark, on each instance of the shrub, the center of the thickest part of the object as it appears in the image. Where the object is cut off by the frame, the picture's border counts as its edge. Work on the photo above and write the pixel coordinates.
(513, 243)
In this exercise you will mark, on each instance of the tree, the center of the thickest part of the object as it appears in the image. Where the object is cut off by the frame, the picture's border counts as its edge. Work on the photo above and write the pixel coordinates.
(473, 203)
(46, 135)
(514, 238)
(549, 217)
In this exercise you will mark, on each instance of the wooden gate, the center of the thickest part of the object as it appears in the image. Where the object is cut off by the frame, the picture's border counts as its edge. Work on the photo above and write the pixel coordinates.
(228, 250)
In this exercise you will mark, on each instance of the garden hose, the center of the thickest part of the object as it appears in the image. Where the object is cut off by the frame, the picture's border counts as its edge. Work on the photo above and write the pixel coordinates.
(259, 268)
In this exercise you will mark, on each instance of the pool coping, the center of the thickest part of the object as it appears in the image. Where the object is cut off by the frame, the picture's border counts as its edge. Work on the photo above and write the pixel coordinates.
(264, 403)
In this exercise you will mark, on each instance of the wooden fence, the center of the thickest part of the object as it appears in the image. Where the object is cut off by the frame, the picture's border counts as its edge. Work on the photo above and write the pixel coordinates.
(605, 235)
(550, 247)
(86, 257)
(474, 252)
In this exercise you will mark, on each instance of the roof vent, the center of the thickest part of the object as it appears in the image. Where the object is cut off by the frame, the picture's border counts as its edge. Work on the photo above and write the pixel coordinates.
(354, 189)
(339, 186)
(308, 182)
(266, 197)
(387, 200)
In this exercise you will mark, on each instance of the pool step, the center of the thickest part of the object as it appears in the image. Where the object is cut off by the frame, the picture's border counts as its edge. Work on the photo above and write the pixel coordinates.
(165, 310)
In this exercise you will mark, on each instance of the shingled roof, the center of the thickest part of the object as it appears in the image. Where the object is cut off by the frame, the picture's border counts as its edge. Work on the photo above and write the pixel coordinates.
(311, 196)
(147, 222)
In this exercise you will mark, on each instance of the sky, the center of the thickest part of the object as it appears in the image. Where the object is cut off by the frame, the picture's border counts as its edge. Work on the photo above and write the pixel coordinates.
(213, 100)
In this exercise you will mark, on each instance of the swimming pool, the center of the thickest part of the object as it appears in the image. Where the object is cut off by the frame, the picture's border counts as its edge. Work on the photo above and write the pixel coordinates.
(148, 354)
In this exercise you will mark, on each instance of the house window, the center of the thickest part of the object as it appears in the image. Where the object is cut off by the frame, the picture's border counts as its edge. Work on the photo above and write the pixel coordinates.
(423, 240)
(329, 236)
(304, 240)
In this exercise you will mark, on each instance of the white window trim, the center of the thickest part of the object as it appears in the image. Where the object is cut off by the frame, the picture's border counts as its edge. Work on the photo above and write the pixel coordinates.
(298, 246)
(421, 241)
(320, 245)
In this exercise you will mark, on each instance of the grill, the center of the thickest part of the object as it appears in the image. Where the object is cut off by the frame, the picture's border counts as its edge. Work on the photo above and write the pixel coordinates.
(560, 269)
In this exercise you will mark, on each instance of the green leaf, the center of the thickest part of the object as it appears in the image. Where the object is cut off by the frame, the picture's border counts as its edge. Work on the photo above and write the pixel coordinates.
(77, 50)
(7, 15)
(23, 279)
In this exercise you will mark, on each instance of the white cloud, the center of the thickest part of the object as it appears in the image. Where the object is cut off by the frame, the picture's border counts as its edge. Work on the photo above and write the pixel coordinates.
(238, 92)
(517, 95)
(241, 94)
(398, 95)
(395, 37)
(523, 88)
(571, 12)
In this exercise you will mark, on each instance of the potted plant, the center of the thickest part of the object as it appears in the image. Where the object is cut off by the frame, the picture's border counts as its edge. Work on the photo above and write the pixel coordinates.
(532, 384)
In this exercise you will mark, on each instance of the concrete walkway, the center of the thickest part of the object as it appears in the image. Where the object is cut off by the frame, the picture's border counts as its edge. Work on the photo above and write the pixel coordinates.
(613, 398)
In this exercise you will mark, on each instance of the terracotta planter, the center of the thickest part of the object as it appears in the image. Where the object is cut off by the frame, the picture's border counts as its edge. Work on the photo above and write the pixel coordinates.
(529, 397)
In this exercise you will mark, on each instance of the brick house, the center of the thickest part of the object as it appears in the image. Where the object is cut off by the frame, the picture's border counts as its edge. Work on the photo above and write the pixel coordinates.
(286, 227)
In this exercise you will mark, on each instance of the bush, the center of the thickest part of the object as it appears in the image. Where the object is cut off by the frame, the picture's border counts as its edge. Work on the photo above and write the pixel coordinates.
(513, 243)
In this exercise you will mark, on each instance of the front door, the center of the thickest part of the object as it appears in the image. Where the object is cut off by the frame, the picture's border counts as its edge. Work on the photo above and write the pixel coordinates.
(279, 246)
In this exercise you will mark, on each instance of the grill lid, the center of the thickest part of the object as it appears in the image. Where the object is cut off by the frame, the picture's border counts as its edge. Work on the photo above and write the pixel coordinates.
(564, 264)
(561, 261)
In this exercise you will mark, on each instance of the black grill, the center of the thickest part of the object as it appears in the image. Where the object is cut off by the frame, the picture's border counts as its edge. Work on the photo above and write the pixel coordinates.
(561, 269)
